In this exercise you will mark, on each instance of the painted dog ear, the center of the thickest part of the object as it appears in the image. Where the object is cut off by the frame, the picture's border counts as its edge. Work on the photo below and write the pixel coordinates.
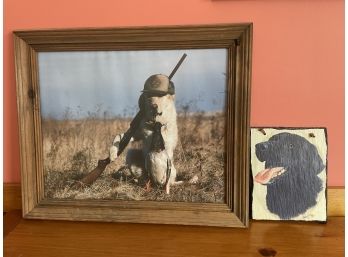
(317, 164)
(322, 166)
(314, 162)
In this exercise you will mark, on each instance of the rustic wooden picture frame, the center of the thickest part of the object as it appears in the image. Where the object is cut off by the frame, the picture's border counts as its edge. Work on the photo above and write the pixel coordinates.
(236, 38)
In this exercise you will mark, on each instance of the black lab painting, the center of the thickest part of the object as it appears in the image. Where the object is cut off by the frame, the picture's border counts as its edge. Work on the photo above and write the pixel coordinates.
(289, 173)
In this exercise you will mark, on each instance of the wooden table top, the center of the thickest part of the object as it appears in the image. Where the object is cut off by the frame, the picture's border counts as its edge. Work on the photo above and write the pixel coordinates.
(63, 238)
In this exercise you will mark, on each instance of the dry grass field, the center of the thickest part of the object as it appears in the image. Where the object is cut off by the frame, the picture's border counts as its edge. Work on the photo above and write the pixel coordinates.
(71, 149)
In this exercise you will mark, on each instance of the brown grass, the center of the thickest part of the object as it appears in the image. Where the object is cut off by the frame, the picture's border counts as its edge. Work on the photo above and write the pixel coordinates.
(72, 148)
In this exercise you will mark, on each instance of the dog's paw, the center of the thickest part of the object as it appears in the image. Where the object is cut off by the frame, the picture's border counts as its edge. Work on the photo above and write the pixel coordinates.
(167, 187)
(117, 140)
(113, 153)
(114, 148)
(194, 180)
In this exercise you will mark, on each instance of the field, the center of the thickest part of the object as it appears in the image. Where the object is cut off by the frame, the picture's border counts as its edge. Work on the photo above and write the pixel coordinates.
(71, 148)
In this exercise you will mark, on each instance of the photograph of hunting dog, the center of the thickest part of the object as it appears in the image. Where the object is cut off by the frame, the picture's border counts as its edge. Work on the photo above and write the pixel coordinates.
(289, 170)
(134, 125)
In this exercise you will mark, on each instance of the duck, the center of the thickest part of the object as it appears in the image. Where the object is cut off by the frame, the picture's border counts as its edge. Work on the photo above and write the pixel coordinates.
(157, 161)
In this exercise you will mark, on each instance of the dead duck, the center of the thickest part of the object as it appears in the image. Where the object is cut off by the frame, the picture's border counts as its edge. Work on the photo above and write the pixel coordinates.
(157, 162)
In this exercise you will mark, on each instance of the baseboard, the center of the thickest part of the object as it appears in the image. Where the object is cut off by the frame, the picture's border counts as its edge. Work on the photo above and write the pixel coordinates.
(335, 200)
(12, 197)
(335, 195)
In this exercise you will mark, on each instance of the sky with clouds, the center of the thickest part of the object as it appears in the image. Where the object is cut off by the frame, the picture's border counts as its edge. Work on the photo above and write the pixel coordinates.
(108, 83)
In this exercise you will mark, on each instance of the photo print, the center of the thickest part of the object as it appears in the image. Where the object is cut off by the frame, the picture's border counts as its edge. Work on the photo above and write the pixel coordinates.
(170, 130)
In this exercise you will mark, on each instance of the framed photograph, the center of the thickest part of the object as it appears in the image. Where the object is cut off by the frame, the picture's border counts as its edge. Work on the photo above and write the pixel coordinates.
(140, 124)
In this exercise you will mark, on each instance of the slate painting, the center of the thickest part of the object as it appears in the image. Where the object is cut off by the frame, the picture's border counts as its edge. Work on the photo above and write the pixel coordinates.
(289, 173)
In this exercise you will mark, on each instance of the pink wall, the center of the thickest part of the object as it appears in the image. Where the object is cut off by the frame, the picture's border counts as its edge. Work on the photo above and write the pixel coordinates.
(298, 56)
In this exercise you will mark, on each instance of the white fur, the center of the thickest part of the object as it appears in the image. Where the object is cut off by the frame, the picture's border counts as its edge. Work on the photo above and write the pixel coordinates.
(166, 106)
(155, 163)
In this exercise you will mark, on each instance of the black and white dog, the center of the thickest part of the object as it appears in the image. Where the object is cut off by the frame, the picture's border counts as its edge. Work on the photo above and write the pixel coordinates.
(151, 160)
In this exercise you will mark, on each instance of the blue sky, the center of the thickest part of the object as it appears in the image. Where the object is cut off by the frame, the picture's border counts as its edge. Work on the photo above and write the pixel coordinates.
(109, 82)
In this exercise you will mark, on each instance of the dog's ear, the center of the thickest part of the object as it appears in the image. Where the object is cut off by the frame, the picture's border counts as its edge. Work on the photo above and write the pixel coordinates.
(318, 165)
(315, 162)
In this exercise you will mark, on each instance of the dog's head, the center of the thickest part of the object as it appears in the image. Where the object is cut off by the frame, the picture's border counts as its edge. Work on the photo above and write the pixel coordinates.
(159, 108)
(158, 97)
(287, 154)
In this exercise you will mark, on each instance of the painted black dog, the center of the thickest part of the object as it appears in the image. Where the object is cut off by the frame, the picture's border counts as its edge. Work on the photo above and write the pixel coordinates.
(291, 169)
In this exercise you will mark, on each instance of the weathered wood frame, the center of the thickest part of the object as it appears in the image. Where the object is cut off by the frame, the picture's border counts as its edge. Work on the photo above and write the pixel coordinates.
(237, 38)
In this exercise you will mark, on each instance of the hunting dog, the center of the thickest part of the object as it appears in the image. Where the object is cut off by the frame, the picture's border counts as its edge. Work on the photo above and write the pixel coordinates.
(150, 160)
(292, 165)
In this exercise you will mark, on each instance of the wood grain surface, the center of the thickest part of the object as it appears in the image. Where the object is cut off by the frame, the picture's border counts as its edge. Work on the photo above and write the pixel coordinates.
(11, 220)
(64, 238)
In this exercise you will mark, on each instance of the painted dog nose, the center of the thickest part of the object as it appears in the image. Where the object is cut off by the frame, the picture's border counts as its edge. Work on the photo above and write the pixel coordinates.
(262, 146)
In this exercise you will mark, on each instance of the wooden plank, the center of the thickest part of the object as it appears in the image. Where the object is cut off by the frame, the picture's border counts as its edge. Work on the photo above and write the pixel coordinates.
(11, 220)
(62, 238)
(336, 207)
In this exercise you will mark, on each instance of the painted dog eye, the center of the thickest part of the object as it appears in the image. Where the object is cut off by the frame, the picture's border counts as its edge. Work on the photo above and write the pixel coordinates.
(291, 146)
